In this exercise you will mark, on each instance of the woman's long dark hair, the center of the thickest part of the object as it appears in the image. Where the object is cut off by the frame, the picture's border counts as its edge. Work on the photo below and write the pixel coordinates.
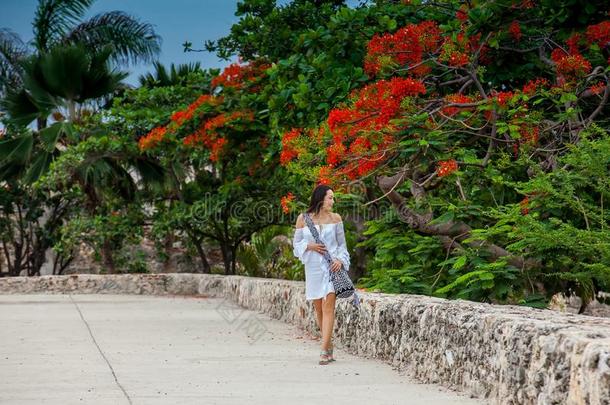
(317, 198)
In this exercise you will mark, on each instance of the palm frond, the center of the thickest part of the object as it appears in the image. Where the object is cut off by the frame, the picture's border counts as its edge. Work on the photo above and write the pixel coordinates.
(12, 52)
(60, 78)
(152, 175)
(21, 107)
(133, 41)
(100, 80)
(250, 261)
(40, 165)
(162, 78)
(159, 78)
(16, 150)
(53, 18)
(259, 256)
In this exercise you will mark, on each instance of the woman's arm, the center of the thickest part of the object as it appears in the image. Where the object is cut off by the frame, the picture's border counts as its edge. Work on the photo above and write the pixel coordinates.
(299, 243)
(342, 252)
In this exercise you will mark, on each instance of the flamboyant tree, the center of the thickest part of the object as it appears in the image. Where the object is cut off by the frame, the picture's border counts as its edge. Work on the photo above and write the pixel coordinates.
(218, 155)
(458, 145)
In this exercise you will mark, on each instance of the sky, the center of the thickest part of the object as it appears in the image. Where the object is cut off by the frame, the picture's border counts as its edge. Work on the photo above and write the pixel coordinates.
(175, 21)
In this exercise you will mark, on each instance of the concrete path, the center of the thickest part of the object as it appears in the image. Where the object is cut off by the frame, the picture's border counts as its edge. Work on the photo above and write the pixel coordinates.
(122, 349)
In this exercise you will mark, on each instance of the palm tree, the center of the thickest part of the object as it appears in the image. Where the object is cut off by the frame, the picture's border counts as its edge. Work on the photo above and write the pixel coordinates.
(57, 81)
(12, 51)
(58, 23)
(162, 78)
(61, 79)
(67, 65)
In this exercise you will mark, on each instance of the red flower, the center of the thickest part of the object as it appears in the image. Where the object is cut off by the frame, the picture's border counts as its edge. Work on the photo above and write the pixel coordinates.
(524, 206)
(152, 139)
(599, 34)
(405, 47)
(570, 65)
(289, 152)
(208, 136)
(446, 167)
(238, 76)
(573, 43)
(374, 106)
(324, 175)
(180, 117)
(458, 51)
(598, 88)
(216, 149)
(504, 97)
(337, 117)
(360, 146)
(285, 201)
(461, 15)
(457, 59)
(335, 153)
(456, 99)
(533, 85)
(515, 30)
(529, 134)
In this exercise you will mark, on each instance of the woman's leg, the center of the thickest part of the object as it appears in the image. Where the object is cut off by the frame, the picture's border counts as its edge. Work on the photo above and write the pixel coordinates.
(317, 304)
(328, 320)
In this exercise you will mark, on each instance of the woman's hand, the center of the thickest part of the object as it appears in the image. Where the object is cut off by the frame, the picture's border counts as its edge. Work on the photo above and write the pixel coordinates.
(336, 266)
(316, 247)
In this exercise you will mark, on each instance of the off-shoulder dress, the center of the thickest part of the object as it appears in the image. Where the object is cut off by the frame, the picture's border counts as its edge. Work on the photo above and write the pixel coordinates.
(317, 272)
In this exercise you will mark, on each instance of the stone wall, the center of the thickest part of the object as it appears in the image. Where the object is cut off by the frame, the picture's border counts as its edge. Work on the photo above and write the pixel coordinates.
(508, 354)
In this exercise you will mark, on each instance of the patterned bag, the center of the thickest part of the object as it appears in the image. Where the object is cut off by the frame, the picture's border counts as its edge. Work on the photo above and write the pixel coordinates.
(344, 287)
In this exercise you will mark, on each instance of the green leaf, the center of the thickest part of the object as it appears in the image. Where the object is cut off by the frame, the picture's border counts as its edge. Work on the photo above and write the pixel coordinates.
(460, 262)
(50, 135)
(446, 217)
(40, 166)
(16, 150)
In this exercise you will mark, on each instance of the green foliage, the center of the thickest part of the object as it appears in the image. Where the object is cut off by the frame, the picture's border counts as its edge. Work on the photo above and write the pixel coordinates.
(177, 75)
(325, 64)
(560, 248)
(30, 222)
(564, 232)
(115, 230)
(566, 228)
(265, 29)
(269, 254)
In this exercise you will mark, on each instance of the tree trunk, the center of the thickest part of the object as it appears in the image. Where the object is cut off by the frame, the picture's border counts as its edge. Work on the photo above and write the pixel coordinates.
(108, 258)
(233, 259)
(205, 265)
(225, 258)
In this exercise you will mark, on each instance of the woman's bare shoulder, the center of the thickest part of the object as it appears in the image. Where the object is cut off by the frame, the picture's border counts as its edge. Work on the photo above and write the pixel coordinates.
(337, 217)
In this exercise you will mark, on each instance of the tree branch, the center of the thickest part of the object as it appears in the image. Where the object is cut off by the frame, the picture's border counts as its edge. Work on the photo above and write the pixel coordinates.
(458, 230)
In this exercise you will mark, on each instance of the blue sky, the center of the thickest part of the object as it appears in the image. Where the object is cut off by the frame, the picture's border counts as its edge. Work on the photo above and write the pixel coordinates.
(175, 21)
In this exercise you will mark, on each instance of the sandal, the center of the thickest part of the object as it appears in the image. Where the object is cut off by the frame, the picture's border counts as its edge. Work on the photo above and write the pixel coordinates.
(330, 354)
(324, 357)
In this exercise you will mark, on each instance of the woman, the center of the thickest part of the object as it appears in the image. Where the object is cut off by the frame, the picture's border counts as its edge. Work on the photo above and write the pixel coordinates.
(318, 286)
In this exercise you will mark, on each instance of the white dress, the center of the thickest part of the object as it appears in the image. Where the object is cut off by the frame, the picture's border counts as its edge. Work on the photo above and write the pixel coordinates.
(317, 272)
